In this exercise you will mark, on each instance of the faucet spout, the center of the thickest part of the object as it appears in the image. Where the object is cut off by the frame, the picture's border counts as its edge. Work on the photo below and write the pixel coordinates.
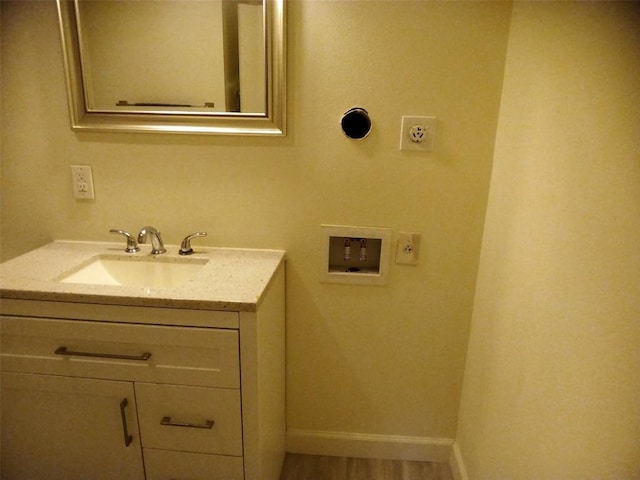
(157, 247)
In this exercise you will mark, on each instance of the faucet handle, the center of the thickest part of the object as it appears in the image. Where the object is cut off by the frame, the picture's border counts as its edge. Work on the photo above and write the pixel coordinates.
(132, 246)
(185, 246)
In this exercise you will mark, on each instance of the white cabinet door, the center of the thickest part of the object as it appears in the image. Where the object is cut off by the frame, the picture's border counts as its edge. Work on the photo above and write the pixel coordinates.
(64, 428)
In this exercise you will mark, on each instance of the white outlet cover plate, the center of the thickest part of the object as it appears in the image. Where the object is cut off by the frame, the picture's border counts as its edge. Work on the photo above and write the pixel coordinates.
(82, 180)
(426, 145)
(407, 248)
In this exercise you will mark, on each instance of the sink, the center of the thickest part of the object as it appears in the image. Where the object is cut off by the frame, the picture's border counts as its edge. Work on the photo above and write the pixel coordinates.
(150, 272)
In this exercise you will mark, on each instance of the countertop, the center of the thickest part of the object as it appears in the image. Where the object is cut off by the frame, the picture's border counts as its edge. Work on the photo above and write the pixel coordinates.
(232, 279)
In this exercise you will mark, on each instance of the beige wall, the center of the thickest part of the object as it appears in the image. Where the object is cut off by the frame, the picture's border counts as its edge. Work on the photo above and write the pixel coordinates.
(383, 360)
(552, 384)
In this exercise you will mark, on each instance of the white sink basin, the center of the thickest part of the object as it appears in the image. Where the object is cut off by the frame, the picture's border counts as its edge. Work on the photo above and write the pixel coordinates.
(152, 272)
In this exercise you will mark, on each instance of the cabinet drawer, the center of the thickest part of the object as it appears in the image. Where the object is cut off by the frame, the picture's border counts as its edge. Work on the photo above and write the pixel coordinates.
(171, 465)
(121, 351)
(193, 419)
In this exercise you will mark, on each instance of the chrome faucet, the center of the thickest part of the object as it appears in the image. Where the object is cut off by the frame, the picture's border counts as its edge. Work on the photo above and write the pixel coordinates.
(157, 247)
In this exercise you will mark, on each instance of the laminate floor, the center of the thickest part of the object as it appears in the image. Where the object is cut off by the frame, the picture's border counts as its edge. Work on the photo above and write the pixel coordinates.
(312, 467)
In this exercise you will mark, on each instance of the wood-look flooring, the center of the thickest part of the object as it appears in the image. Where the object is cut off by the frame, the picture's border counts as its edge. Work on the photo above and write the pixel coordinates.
(313, 467)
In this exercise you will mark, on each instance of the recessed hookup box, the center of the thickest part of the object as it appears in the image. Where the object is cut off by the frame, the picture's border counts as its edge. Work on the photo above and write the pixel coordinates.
(356, 255)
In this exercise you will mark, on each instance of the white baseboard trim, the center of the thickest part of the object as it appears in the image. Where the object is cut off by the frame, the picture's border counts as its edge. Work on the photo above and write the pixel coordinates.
(365, 445)
(457, 464)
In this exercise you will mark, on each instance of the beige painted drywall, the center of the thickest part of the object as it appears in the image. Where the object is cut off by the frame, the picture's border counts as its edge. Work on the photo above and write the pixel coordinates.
(364, 359)
(552, 383)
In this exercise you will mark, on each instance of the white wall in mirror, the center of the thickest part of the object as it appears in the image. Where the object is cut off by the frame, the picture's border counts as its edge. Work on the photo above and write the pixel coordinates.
(182, 54)
(251, 55)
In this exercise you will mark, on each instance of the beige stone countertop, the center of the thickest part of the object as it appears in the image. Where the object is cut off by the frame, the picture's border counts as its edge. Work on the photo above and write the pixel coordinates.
(232, 279)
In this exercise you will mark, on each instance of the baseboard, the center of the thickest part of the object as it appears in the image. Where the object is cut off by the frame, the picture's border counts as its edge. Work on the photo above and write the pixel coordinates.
(457, 464)
(364, 445)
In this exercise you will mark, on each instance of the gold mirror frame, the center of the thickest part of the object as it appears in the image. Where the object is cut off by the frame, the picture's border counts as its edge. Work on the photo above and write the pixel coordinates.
(271, 123)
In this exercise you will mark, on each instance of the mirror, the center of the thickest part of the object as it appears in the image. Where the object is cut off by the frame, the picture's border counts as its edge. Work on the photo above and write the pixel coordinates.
(175, 66)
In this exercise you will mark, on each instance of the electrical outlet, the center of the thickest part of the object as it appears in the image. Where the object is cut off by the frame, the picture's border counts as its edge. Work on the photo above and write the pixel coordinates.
(417, 133)
(407, 248)
(82, 180)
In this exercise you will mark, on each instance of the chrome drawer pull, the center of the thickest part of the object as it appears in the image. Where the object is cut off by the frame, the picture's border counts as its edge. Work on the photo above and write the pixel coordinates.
(166, 421)
(63, 351)
(123, 414)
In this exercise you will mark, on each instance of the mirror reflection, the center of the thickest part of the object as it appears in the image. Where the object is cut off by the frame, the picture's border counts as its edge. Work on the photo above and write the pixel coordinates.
(198, 55)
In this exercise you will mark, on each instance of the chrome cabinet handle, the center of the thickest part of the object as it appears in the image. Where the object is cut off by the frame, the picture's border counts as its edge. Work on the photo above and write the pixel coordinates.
(123, 414)
(64, 351)
(166, 421)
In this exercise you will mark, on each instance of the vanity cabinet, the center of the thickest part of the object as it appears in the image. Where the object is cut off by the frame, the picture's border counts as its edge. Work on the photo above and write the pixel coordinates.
(99, 391)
